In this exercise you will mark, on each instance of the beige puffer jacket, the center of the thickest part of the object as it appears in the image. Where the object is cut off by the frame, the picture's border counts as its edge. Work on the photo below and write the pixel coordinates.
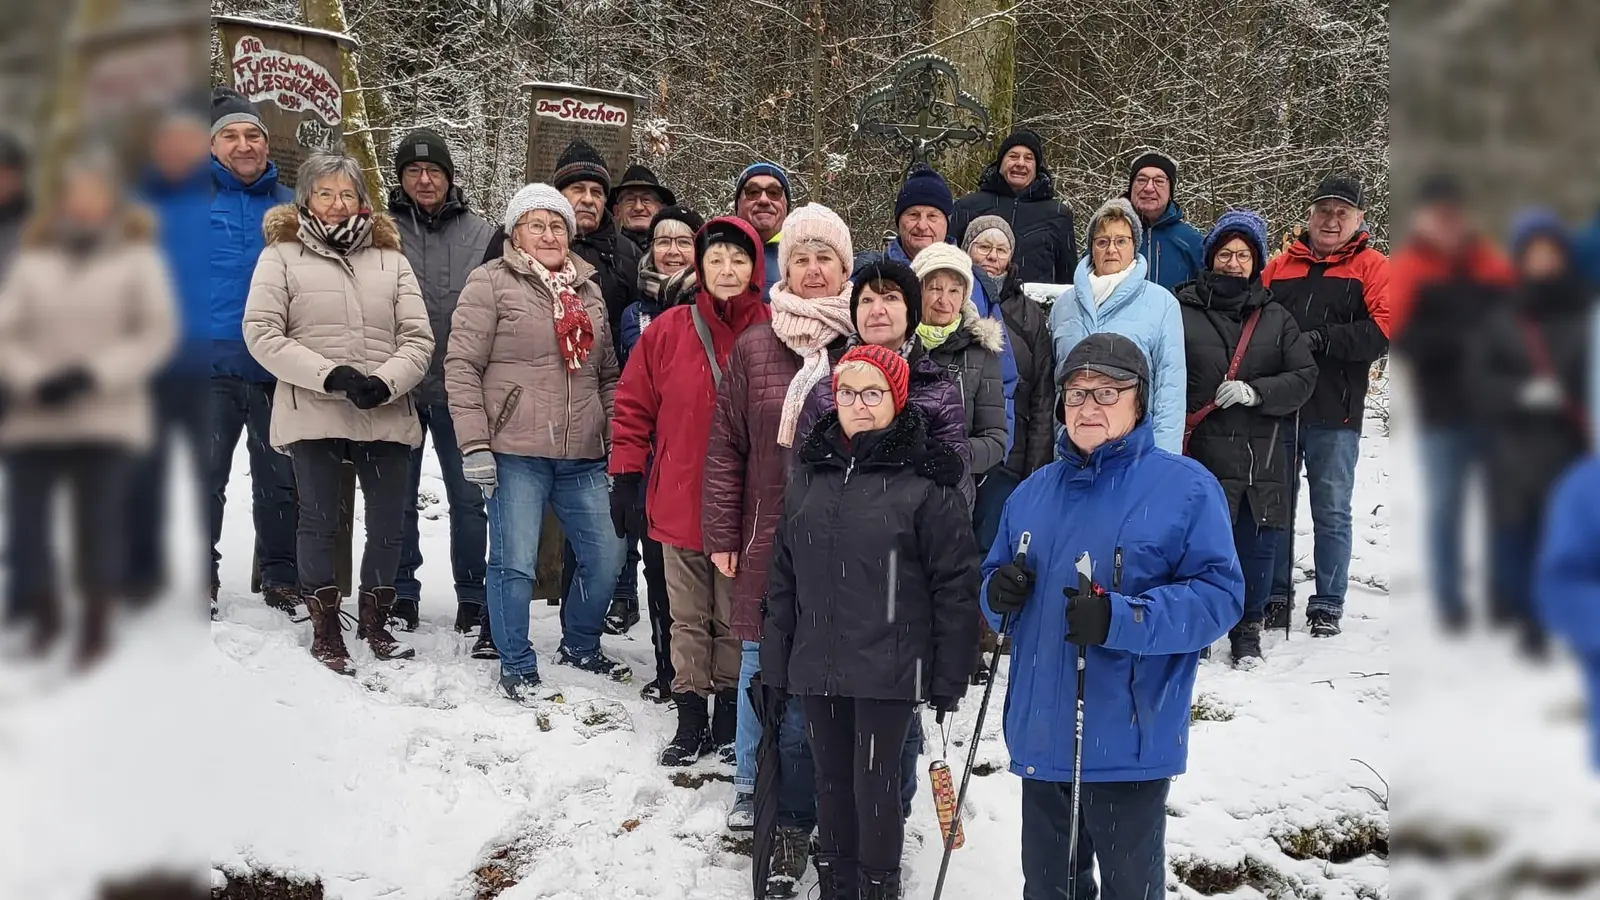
(509, 388)
(110, 313)
(311, 309)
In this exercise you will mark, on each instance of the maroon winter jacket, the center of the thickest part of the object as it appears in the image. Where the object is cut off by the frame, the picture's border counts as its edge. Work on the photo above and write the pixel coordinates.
(746, 470)
(665, 399)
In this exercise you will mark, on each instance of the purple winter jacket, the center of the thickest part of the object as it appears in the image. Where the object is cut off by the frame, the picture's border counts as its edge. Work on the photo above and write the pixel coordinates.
(931, 390)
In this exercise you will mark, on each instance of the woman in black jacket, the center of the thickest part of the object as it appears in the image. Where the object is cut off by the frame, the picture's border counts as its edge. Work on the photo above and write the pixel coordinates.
(1234, 421)
(872, 514)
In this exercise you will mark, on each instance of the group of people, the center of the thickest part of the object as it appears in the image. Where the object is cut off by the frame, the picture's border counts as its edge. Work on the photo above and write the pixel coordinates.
(824, 458)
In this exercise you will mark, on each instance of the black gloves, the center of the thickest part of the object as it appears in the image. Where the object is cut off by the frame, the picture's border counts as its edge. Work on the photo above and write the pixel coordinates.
(371, 394)
(1088, 613)
(1009, 588)
(940, 464)
(627, 504)
(64, 387)
(942, 704)
(1318, 341)
(346, 379)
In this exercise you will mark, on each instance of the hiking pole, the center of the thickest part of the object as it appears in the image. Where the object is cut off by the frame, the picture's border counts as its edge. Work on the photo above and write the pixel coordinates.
(977, 729)
(1086, 570)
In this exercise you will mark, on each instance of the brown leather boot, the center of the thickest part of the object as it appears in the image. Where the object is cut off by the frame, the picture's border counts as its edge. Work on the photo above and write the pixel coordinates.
(327, 642)
(376, 605)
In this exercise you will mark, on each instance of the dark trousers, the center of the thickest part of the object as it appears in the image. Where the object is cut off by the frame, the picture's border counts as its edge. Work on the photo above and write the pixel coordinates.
(993, 491)
(380, 467)
(655, 586)
(1122, 824)
(858, 788)
(1258, 552)
(239, 406)
(96, 475)
(469, 521)
(182, 411)
(1514, 552)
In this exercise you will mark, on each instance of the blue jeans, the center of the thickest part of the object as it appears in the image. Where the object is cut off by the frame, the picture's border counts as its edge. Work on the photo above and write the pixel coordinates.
(1122, 824)
(1514, 551)
(1257, 546)
(1329, 456)
(797, 782)
(578, 491)
(1448, 457)
(246, 406)
(469, 522)
(627, 582)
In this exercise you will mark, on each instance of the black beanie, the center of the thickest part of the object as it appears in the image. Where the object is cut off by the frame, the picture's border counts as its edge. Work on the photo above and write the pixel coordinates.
(424, 145)
(1154, 159)
(683, 214)
(902, 276)
(722, 231)
(1022, 137)
(581, 162)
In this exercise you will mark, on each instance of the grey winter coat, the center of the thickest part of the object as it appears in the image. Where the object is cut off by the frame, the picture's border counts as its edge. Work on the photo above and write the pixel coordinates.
(972, 357)
(443, 249)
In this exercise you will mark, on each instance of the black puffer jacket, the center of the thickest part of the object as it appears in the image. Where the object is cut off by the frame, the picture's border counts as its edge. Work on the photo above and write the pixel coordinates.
(1047, 248)
(1528, 447)
(972, 357)
(1033, 439)
(883, 524)
(1242, 445)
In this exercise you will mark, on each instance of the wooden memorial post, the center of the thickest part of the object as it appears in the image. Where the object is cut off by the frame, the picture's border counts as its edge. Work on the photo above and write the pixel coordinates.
(557, 115)
(291, 73)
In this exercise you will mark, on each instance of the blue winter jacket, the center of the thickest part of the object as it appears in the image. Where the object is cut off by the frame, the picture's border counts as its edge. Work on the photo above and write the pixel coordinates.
(1147, 314)
(774, 273)
(986, 307)
(236, 243)
(1568, 581)
(1158, 533)
(185, 233)
(1173, 247)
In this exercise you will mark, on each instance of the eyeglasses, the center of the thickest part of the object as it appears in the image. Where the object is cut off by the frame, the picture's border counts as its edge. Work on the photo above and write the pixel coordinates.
(1225, 257)
(755, 192)
(348, 198)
(984, 248)
(1121, 243)
(540, 229)
(685, 244)
(422, 171)
(1159, 181)
(870, 397)
(1103, 396)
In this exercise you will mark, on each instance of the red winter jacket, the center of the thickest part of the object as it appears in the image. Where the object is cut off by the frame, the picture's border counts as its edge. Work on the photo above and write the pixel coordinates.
(665, 400)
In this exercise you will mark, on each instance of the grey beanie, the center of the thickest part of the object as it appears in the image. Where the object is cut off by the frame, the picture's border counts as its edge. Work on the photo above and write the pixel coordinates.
(984, 223)
(231, 108)
(539, 196)
(1121, 205)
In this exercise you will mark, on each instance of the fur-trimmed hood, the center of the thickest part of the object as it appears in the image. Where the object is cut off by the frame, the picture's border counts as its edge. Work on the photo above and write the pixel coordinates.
(138, 227)
(990, 334)
(904, 444)
(281, 225)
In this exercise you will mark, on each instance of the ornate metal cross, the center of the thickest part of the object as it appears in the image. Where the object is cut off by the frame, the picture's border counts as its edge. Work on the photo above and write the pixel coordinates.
(923, 109)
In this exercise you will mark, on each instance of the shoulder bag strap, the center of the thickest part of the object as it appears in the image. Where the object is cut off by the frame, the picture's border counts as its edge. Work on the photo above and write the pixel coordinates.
(1193, 420)
(704, 330)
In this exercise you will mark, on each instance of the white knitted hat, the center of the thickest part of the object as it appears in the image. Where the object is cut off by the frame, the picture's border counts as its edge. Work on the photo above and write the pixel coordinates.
(948, 257)
(814, 222)
(539, 196)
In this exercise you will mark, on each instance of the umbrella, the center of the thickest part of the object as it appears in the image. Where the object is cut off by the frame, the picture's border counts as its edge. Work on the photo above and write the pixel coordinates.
(769, 705)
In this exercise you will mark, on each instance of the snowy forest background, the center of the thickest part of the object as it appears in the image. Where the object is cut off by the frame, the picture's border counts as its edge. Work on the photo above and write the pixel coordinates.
(1256, 99)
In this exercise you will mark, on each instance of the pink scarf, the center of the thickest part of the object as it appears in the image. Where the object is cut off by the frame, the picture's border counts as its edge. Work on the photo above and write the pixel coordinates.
(807, 327)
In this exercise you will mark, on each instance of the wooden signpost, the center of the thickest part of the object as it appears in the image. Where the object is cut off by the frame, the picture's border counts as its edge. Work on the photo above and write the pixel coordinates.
(560, 113)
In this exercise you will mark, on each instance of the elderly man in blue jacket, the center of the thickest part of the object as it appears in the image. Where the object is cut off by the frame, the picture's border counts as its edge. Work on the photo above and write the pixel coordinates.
(1164, 584)
(245, 185)
(1171, 244)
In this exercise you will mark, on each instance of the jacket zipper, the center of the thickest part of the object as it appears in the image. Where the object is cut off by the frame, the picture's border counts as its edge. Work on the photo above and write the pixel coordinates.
(506, 410)
(566, 426)
(1116, 585)
(828, 685)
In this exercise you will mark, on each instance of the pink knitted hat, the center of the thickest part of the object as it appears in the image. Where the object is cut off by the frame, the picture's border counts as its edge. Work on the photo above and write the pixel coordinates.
(814, 222)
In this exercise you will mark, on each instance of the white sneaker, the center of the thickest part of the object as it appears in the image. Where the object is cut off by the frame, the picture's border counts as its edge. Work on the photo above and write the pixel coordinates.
(743, 815)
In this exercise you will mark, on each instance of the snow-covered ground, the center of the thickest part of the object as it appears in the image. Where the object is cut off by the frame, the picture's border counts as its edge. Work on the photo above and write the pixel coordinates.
(419, 780)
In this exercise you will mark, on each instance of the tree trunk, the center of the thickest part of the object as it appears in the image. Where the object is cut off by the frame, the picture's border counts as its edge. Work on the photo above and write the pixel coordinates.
(985, 58)
(329, 16)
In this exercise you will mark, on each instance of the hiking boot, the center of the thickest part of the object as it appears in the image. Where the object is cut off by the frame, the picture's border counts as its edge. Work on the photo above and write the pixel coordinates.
(375, 608)
(692, 740)
(656, 692)
(468, 613)
(483, 647)
(742, 817)
(327, 631)
(1245, 641)
(1323, 624)
(407, 613)
(725, 725)
(880, 885)
(596, 662)
(282, 599)
(214, 589)
(523, 687)
(1278, 615)
(622, 616)
(791, 848)
(837, 878)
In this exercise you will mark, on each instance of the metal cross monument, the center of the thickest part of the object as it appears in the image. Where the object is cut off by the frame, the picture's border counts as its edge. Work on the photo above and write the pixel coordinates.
(923, 109)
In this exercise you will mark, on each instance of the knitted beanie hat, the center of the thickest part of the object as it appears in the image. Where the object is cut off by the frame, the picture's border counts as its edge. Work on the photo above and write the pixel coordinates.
(924, 187)
(1238, 223)
(771, 170)
(1121, 205)
(1022, 137)
(539, 196)
(683, 214)
(231, 108)
(902, 277)
(1154, 159)
(814, 222)
(946, 258)
(984, 223)
(891, 364)
(581, 162)
(424, 145)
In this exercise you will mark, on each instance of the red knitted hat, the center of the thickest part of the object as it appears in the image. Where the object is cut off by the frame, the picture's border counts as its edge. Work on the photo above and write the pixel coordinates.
(894, 369)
